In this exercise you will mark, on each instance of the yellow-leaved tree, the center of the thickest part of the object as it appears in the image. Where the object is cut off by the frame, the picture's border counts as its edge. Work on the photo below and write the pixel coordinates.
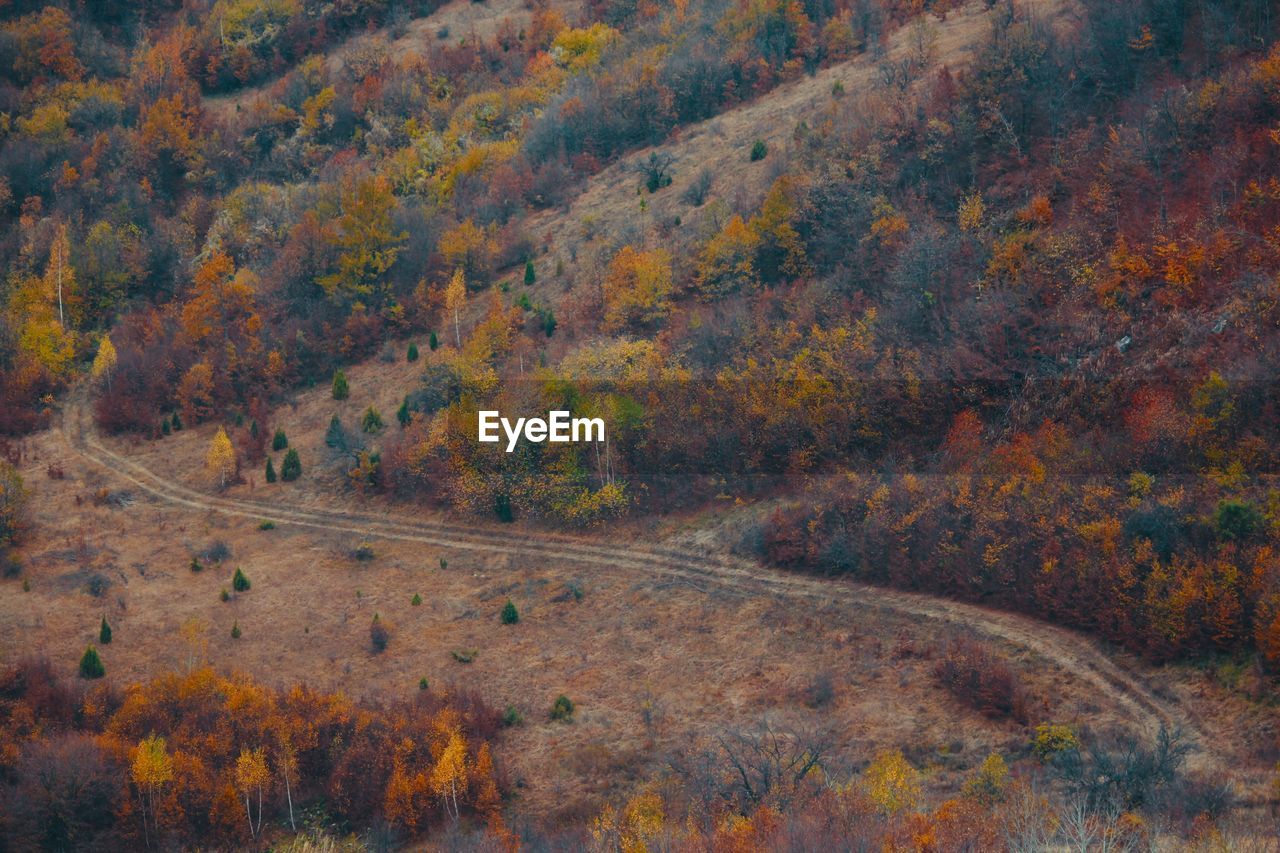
(104, 363)
(455, 297)
(151, 770)
(637, 288)
(892, 783)
(450, 773)
(221, 459)
(252, 775)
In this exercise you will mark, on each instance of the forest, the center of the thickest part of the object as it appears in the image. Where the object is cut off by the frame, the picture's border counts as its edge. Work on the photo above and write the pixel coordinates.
(996, 328)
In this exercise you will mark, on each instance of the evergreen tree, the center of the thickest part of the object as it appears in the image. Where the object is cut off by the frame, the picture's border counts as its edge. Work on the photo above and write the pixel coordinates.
(271, 471)
(235, 630)
(413, 352)
(335, 436)
(371, 421)
(340, 388)
(177, 422)
(91, 665)
(104, 633)
(433, 342)
(530, 275)
(240, 581)
(165, 429)
(510, 615)
(562, 708)
(403, 415)
(291, 468)
(279, 441)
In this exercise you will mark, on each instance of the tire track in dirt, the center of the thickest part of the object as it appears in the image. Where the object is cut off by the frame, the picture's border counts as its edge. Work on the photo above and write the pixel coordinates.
(1072, 652)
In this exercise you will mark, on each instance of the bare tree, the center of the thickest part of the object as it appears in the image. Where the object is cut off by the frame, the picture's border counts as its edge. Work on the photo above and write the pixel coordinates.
(769, 764)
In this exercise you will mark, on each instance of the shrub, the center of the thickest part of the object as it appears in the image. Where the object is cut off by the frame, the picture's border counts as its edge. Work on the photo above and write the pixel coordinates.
(104, 633)
(1237, 521)
(224, 595)
(240, 581)
(412, 355)
(217, 552)
(562, 708)
(235, 630)
(423, 684)
(91, 665)
(1053, 738)
(759, 150)
(510, 615)
(696, 193)
(433, 342)
(279, 441)
(364, 552)
(291, 468)
(416, 601)
(530, 275)
(512, 716)
(444, 564)
(403, 414)
(341, 390)
(988, 785)
(271, 471)
(266, 525)
(463, 655)
(195, 565)
(980, 678)
(371, 421)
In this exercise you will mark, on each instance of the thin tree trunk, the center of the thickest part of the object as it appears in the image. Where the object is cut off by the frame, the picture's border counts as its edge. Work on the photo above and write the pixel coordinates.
(259, 808)
(248, 814)
(457, 330)
(289, 796)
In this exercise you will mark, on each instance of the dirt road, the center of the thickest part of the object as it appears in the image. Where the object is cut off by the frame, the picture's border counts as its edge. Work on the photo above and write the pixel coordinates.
(1124, 690)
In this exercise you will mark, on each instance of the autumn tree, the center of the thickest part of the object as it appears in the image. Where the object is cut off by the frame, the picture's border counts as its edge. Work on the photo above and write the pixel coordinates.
(455, 298)
(151, 770)
(366, 243)
(104, 363)
(637, 288)
(60, 277)
(220, 461)
(450, 772)
(252, 775)
(727, 261)
(468, 248)
(892, 783)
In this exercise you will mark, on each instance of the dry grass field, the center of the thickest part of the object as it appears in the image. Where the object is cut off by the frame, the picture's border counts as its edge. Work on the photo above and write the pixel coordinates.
(658, 663)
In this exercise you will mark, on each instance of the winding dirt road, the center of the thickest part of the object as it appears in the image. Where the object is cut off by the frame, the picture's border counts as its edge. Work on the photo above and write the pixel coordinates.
(1072, 652)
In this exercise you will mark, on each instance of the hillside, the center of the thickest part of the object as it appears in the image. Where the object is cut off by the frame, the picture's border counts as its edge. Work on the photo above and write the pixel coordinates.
(931, 344)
